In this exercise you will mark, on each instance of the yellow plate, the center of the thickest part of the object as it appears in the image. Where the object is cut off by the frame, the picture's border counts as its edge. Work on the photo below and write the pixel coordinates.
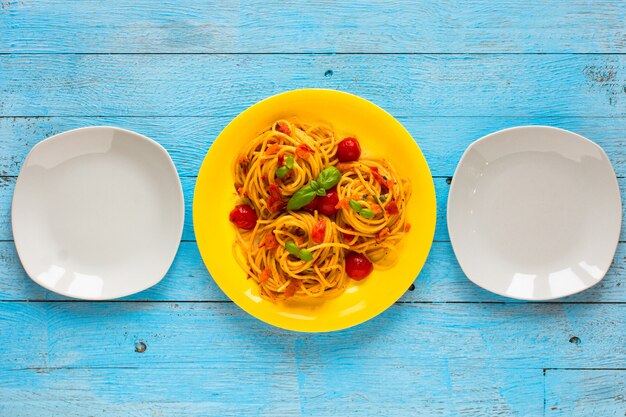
(379, 134)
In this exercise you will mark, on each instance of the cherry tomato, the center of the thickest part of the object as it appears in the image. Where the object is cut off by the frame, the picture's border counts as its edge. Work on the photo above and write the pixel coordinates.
(358, 266)
(275, 201)
(379, 178)
(244, 217)
(283, 128)
(303, 151)
(312, 206)
(319, 231)
(347, 238)
(327, 204)
(266, 274)
(269, 241)
(384, 189)
(348, 150)
(292, 288)
(392, 208)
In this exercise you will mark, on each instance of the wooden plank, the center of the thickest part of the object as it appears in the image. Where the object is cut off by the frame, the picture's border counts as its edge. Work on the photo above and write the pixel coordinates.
(187, 139)
(7, 184)
(50, 335)
(441, 280)
(416, 389)
(585, 392)
(216, 390)
(286, 387)
(224, 85)
(322, 26)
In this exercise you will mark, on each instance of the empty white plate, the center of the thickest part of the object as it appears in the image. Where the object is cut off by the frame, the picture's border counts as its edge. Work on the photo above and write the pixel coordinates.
(534, 213)
(97, 213)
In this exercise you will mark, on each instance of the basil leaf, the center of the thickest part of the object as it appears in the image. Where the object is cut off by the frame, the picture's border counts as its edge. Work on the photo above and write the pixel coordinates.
(292, 248)
(282, 171)
(301, 198)
(367, 213)
(305, 255)
(383, 198)
(329, 177)
(289, 162)
(355, 205)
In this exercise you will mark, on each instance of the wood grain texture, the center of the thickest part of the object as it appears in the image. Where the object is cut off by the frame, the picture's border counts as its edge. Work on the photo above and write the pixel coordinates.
(480, 348)
(224, 85)
(442, 139)
(585, 393)
(319, 26)
(441, 280)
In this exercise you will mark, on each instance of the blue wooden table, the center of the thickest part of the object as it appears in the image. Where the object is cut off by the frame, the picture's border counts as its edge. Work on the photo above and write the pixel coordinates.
(178, 72)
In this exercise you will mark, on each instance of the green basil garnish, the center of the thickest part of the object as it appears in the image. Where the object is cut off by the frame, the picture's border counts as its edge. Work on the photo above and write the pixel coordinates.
(327, 179)
(282, 171)
(292, 248)
(301, 198)
(367, 213)
(305, 255)
(383, 198)
(289, 162)
(355, 205)
(363, 211)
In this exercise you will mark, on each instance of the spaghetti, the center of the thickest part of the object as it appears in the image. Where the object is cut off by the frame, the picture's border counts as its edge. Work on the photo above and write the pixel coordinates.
(313, 213)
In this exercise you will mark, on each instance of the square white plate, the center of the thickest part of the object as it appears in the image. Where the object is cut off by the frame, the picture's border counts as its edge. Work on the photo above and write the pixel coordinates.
(534, 213)
(97, 213)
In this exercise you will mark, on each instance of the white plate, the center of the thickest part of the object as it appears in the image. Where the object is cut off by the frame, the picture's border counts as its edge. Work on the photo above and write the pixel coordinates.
(97, 213)
(534, 213)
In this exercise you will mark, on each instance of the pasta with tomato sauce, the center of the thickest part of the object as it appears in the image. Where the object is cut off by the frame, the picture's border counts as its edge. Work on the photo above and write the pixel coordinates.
(312, 213)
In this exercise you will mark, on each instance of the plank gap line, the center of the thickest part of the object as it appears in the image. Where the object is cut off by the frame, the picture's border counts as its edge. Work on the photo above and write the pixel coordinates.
(317, 53)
